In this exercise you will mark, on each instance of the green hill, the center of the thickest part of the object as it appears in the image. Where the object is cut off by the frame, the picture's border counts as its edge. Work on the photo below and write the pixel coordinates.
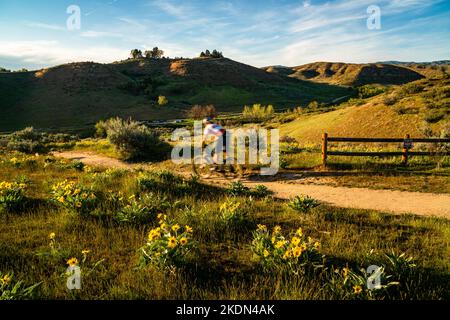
(400, 110)
(74, 96)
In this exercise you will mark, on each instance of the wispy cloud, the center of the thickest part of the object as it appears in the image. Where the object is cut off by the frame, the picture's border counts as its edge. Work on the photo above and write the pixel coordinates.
(100, 34)
(46, 26)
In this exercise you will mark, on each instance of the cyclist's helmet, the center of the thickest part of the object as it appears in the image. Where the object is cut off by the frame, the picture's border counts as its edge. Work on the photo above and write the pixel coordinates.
(207, 120)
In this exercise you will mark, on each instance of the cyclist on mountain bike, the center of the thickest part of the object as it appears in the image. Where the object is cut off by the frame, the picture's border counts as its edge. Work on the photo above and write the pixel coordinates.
(219, 133)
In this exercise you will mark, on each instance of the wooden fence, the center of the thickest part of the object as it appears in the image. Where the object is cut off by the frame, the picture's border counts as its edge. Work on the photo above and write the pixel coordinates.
(405, 153)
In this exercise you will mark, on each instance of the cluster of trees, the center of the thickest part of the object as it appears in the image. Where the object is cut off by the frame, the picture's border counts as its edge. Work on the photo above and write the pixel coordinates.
(198, 112)
(213, 54)
(3, 70)
(155, 53)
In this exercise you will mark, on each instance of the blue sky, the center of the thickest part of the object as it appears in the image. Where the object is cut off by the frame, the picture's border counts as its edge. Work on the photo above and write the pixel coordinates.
(33, 34)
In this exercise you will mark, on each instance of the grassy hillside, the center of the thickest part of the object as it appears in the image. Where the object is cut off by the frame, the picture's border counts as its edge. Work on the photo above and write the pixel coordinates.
(77, 95)
(400, 110)
(349, 74)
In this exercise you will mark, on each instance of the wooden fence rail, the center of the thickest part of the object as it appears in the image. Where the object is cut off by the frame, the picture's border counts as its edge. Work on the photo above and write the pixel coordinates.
(405, 153)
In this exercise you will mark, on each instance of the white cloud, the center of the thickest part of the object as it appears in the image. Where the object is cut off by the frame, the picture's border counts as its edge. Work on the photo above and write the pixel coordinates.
(49, 53)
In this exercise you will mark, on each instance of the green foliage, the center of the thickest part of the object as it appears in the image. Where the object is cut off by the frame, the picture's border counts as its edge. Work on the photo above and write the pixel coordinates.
(27, 140)
(258, 112)
(10, 289)
(162, 101)
(411, 88)
(74, 197)
(232, 213)
(155, 53)
(237, 188)
(139, 210)
(136, 54)
(261, 191)
(391, 99)
(100, 129)
(303, 203)
(168, 245)
(213, 54)
(135, 141)
(12, 195)
(280, 253)
(368, 91)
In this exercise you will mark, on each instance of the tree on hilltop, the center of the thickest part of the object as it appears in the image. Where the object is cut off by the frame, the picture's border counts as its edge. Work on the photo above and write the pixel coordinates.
(155, 53)
(136, 54)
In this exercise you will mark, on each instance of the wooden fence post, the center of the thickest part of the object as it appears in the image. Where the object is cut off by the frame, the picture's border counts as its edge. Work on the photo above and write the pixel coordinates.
(405, 150)
(324, 149)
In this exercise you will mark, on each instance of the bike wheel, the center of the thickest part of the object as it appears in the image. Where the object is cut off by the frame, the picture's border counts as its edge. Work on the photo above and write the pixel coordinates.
(202, 170)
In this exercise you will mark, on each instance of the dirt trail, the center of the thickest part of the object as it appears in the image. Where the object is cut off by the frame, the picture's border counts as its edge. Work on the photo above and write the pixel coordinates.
(427, 204)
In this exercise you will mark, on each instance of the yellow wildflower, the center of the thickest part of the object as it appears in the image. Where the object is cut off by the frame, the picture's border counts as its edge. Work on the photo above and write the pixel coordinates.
(154, 234)
(357, 289)
(295, 241)
(175, 227)
(297, 252)
(188, 229)
(317, 245)
(345, 272)
(280, 244)
(172, 243)
(61, 199)
(183, 241)
(78, 204)
(85, 252)
(276, 230)
(72, 262)
(287, 254)
(266, 253)
(6, 279)
(262, 227)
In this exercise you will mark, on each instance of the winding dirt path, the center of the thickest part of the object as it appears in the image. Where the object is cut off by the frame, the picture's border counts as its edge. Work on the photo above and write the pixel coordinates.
(426, 204)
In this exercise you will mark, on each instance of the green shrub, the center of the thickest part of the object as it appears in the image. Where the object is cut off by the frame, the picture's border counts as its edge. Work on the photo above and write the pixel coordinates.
(12, 195)
(391, 99)
(303, 203)
(10, 289)
(277, 252)
(258, 112)
(74, 197)
(237, 188)
(168, 245)
(135, 141)
(139, 211)
(435, 116)
(27, 140)
(368, 91)
(100, 129)
(411, 88)
(261, 191)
